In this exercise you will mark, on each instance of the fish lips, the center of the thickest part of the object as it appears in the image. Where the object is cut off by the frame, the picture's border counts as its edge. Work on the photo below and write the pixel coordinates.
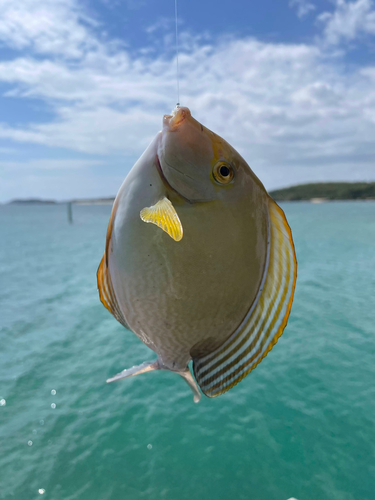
(178, 116)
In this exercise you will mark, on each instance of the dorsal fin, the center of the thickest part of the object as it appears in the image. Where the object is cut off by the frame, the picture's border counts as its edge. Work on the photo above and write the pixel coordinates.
(105, 287)
(223, 368)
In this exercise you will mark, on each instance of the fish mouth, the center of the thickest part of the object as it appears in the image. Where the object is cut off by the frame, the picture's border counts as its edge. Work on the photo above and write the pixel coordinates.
(178, 116)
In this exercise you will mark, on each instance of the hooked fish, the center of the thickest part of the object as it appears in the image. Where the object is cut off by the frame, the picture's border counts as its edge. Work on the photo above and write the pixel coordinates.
(199, 260)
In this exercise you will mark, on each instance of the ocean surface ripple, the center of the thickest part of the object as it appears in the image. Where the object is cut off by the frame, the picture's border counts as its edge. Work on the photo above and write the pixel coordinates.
(301, 425)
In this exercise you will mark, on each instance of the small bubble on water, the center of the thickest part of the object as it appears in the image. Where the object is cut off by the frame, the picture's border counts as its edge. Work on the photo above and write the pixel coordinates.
(3, 402)
(35, 431)
(149, 446)
(41, 422)
(53, 405)
(53, 392)
(29, 443)
(41, 491)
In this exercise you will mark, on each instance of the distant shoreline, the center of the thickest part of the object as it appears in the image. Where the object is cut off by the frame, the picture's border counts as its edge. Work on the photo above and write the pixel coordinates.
(40, 201)
(321, 192)
(110, 203)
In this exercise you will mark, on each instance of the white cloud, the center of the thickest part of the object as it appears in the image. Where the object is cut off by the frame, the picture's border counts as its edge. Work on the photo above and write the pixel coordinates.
(348, 21)
(47, 164)
(291, 110)
(286, 109)
(50, 26)
(304, 7)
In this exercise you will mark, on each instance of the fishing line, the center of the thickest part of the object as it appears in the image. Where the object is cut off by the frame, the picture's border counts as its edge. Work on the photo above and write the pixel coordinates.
(177, 72)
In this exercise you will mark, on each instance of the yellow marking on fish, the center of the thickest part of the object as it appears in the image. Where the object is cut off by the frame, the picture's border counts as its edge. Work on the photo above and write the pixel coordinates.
(164, 216)
(105, 287)
(107, 294)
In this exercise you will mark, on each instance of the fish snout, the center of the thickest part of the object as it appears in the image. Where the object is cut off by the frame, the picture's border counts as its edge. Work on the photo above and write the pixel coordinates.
(179, 115)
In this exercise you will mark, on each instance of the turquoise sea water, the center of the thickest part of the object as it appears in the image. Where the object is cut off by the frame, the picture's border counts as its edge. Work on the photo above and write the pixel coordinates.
(301, 425)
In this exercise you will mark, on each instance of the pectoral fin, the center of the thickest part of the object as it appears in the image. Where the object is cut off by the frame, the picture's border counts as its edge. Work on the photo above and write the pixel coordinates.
(164, 216)
(216, 372)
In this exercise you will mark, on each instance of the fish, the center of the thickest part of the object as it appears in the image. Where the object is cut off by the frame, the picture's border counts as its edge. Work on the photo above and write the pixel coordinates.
(199, 260)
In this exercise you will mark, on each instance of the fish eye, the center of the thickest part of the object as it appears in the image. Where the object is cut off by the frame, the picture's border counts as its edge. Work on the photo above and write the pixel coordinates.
(223, 172)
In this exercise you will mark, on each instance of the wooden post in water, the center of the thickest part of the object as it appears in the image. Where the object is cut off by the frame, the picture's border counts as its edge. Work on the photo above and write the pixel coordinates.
(70, 212)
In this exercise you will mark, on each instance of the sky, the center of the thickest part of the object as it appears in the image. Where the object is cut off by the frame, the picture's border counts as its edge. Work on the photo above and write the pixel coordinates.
(84, 85)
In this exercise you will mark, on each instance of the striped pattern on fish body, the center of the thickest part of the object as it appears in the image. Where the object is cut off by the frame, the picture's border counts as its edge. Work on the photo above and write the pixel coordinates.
(199, 260)
(259, 331)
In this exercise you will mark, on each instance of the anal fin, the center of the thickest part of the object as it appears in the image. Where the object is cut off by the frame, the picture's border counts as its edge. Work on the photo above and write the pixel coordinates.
(225, 366)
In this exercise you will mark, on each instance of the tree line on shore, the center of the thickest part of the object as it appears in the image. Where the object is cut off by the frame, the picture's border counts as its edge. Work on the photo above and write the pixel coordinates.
(327, 191)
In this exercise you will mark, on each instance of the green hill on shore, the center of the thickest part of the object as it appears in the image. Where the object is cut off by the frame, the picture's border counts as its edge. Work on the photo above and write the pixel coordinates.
(326, 191)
